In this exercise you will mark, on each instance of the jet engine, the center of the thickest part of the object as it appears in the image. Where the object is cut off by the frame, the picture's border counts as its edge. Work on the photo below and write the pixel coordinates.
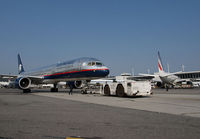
(23, 83)
(159, 84)
(77, 84)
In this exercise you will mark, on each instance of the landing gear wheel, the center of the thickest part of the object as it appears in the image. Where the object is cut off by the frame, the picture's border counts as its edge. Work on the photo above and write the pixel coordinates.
(83, 91)
(107, 90)
(120, 91)
(54, 89)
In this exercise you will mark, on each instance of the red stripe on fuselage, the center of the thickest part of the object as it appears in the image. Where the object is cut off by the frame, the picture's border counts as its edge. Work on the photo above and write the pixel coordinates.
(74, 72)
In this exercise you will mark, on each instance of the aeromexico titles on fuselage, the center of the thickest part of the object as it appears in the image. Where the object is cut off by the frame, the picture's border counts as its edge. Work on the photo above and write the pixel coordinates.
(74, 70)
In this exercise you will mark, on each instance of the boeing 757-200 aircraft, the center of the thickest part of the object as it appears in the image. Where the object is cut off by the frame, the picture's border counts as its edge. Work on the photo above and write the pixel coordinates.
(73, 72)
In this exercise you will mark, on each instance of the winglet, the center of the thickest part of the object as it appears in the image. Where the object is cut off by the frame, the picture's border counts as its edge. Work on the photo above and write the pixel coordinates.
(20, 65)
(160, 67)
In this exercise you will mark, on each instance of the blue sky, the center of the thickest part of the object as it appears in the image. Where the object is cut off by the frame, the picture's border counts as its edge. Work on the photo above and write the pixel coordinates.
(121, 33)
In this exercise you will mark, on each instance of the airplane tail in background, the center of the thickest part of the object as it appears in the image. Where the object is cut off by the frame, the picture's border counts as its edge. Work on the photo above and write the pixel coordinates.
(160, 67)
(20, 65)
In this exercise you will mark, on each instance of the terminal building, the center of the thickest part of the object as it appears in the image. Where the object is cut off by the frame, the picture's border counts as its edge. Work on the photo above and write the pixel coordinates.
(189, 75)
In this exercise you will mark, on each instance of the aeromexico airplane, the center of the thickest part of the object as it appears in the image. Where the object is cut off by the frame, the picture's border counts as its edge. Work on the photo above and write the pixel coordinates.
(73, 72)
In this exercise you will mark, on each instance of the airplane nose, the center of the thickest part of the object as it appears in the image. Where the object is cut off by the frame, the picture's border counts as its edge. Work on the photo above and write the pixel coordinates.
(106, 71)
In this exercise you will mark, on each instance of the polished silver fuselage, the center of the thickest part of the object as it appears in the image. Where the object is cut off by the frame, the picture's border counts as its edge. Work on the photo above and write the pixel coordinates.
(78, 69)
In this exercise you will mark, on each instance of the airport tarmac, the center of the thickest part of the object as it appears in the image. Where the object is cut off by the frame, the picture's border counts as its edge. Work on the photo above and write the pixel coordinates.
(45, 115)
(175, 101)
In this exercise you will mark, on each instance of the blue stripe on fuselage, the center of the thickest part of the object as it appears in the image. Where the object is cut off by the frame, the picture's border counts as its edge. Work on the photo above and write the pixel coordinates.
(79, 74)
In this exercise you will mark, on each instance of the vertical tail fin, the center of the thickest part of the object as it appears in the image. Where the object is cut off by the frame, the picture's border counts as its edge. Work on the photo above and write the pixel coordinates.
(160, 67)
(20, 65)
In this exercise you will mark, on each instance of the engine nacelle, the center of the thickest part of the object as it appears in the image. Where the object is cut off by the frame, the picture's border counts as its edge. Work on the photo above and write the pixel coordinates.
(76, 84)
(23, 83)
(159, 84)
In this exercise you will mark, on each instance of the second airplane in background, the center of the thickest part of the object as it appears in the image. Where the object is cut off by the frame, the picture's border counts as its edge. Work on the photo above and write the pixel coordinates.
(166, 77)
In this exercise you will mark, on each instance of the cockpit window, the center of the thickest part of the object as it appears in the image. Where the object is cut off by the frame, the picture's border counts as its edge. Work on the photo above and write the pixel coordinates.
(95, 64)
(99, 64)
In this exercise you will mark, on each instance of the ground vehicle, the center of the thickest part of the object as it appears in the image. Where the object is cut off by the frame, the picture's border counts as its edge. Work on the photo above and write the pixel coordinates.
(124, 85)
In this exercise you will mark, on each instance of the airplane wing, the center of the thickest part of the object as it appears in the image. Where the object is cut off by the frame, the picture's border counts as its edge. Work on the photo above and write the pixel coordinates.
(34, 79)
(182, 80)
(141, 77)
(8, 76)
(147, 75)
(16, 76)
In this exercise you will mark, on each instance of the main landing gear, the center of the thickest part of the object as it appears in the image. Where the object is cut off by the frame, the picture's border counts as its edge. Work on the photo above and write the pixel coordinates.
(54, 89)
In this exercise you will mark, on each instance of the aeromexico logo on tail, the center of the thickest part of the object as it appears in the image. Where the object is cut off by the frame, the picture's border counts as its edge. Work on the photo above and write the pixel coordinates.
(20, 68)
(20, 65)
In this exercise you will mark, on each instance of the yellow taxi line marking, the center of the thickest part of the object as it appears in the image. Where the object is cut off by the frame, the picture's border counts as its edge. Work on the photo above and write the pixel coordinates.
(73, 138)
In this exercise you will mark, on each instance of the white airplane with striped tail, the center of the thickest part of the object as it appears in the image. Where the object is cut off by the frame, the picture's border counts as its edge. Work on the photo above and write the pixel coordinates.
(166, 77)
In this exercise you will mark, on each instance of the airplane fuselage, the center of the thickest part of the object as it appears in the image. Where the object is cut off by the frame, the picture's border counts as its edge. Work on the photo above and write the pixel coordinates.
(170, 79)
(78, 69)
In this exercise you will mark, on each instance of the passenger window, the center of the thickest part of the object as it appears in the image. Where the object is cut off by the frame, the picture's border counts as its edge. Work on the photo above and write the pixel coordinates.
(93, 64)
(89, 64)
